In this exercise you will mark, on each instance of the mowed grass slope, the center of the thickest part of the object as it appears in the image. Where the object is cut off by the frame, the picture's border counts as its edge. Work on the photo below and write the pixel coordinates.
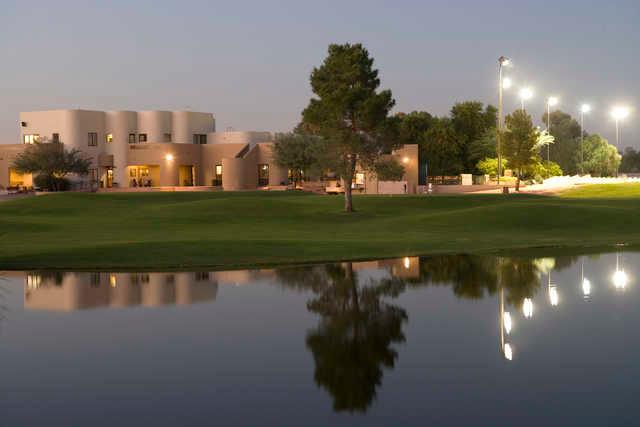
(219, 230)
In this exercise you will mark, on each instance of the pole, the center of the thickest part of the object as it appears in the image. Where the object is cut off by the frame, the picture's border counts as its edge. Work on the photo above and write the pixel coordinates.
(617, 141)
(582, 142)
(500, 112)
(548, 128)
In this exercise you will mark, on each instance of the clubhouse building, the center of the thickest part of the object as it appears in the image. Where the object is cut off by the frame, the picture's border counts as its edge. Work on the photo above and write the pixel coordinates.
(170, 150)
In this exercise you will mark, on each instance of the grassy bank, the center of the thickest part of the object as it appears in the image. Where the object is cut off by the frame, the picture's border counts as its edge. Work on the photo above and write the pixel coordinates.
(219, 230)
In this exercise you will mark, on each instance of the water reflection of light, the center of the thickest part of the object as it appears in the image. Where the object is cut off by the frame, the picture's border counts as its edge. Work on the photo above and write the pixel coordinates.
(553, 295)
(527, 308)
(620, 279)
(113, 281)
(406, 262)
(508, 352)
(586, 288)
(507, 322)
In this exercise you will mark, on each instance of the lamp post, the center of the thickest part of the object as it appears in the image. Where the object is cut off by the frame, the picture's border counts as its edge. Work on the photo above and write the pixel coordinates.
(584, 109)
(552, 101)
(502, 84)
(618, 114)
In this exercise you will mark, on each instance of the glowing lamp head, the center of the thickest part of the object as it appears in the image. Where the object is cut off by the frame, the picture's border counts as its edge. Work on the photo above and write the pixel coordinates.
(585, 108)
(526, 94)
(508, 352)
(586, 288)
(620, 279)
(508, 324)
(620, 113)
(527, 308)
(168, 157)
(405, 159)
(552, 101)
(507, 83)
(554, 299)
(504, 61)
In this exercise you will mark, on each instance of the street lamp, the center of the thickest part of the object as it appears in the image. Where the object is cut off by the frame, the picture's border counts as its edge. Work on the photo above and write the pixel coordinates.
(584, 109)
(525, 95)
(503, 84)
(552, 101)
(618, 114)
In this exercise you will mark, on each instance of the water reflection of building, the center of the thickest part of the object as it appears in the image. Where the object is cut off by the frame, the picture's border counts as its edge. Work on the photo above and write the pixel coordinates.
(76, 291)
(401, 268)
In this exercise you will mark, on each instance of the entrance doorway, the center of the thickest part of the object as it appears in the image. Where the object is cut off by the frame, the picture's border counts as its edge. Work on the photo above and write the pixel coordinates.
(187, 176)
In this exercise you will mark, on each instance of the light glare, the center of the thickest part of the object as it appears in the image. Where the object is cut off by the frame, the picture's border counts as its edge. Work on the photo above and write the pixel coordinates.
(553, 101)
(169, 157)
(526, 94)
(507, 83)
(507, 322)
(586, 287)
(508, 352)
(585, 108)
(620, 113)
(620, 279)
(553, 296)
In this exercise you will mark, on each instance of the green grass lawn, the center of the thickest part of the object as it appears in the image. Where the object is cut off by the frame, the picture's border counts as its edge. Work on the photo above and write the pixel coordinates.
(219, 230)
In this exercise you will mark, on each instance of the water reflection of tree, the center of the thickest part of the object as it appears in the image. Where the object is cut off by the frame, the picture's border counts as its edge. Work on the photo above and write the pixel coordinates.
(353, 340)
(352, 343)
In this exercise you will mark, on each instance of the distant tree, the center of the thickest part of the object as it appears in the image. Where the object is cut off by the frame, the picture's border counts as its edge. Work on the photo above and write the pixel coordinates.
(630, 162)
(470, 121)
(389, 170)
(519, 143)
(50, 162)
(441, 149)
(412, 126)
(297, 152)
(350, 113)
(566, 132)
(600, 157)
(482, 148)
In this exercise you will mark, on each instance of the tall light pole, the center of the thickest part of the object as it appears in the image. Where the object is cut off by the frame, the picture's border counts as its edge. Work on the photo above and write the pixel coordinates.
(552, 101)
(618, 114)
(525, 95)
(584, 109)
(502, 84)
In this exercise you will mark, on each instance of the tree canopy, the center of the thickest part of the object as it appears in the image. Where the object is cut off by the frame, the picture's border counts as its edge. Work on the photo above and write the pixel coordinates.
(297, 152)
(50, 162)
(600, 157)
(566, 132)
(350, 113)
(520, 142)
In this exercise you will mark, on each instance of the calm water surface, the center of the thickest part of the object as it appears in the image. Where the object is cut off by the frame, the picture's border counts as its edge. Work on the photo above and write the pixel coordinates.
(448, 340)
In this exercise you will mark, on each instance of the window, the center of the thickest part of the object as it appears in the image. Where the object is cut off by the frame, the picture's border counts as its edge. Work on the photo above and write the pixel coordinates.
(142, 137)
(202, 276)
(217, 181)
(108, 138)
(170, 279)
(93, 139)
(359, 178)
(132, 138)
(31, 138)
(167, 137)
(55, 137)
(263, 175)
(199, 138)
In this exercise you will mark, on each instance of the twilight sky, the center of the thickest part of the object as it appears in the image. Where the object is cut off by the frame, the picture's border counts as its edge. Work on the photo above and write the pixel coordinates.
(248, 62)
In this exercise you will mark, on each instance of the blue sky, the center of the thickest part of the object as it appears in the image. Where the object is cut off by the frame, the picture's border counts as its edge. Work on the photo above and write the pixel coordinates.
(248, 62)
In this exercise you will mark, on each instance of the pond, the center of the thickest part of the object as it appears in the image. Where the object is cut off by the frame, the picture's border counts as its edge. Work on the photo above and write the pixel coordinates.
(441, 340)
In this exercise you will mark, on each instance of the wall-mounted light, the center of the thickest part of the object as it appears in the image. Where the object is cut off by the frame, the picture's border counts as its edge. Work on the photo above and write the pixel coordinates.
(168, 157)
(405, 159)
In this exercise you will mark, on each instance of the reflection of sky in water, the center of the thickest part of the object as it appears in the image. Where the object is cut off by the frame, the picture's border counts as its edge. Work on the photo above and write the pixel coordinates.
(254, 347)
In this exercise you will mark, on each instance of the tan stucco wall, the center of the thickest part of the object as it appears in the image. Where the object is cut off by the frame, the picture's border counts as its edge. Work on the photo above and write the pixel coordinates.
(239, 137)
(155, 154)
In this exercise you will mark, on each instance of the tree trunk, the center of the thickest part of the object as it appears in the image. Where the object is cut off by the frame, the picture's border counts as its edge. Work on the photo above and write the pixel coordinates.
(348, 181)
(518, 182)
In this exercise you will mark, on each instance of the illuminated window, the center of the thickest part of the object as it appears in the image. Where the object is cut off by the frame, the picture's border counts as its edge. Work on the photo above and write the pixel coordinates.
(33, 281)
(132, 138)
(31, 138)
(142, 137)
(218, 179)
(359, 178)
(109, 138)
(263, 175)
(92, 139)
(167, 137)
